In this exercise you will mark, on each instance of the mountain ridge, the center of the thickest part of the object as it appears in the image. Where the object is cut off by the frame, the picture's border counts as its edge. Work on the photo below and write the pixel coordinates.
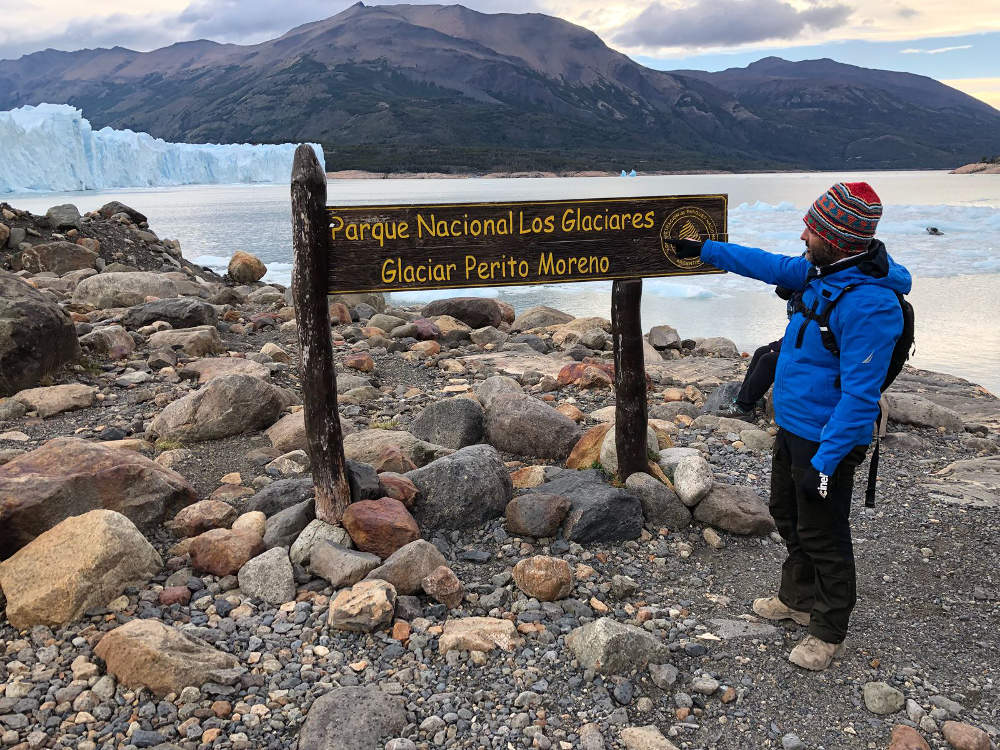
(446, 88)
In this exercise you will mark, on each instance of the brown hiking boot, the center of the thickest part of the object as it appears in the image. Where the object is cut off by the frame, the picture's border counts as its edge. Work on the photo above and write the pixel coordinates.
(814, 654)
(772, 608)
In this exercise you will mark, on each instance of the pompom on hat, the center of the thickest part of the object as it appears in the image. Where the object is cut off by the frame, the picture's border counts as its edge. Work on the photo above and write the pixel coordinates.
(846, 216)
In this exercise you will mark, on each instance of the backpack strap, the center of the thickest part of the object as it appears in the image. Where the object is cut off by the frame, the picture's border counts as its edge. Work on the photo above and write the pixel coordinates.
(822, 319)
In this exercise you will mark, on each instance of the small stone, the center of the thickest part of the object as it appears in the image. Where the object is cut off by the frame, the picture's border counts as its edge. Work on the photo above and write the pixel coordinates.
(545, 578)
(906, 738)
(962, 736)
(363, 607)
(881, 698)
(443, 585)
(791, 741)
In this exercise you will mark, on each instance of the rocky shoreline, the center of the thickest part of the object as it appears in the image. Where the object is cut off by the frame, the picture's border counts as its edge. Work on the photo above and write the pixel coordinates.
(493, 584)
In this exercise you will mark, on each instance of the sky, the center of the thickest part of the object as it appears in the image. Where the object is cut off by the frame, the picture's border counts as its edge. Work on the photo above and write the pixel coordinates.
(954, 41)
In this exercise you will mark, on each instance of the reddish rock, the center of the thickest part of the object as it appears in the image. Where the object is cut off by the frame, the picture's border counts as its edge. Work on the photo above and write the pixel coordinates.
(588, 448)
(571, 373)
(231, 492)
(595, 378)
(398, 487)
(443, 585)
(426, 348)
(425, 330)
(476, 312)
(962, 736)
(339, 314)
(571, 411)
(201, 516)
(262, 320)
(527, 477)
(380, 526)
(361, 361)
(906, 738)
(90, 243)
(222, 552)
(175, 595)
(545, 578)
(536, 515)
(507, 313)
(245, 268)
(391, 458)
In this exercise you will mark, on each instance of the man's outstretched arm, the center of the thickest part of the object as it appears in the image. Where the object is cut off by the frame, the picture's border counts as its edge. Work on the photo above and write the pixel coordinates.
(771, 268)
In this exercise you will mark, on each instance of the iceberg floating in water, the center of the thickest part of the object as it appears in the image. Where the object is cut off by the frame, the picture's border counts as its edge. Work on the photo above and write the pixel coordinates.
(52, 147)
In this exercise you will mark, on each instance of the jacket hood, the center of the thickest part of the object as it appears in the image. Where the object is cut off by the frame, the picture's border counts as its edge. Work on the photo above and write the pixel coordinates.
(874, 266)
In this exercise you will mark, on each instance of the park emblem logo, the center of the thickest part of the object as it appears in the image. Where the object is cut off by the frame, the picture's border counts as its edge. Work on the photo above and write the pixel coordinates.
(688, 223)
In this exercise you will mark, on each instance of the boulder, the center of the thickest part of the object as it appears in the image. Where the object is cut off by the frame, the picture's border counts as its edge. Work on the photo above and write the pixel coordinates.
(55, 399)
(610, 647)
(909, 408)
(587, 450)
(609, 449)
(496, 385)
(670, 457)
(350, 718)
(380, 526)
(544, 578)
(664, 337)
(282, 494)
(461, 490)
(525, 426)
(199, 517)
(112, 342)
(36, 336)
(316, 532)
(539, 317)
(488, 335)
(210, 368)
(339, 565)
(289, 432)
(79, 564)
(660, 504)
(367, 446)
(63, 216)
(385, 322)
(962, 736)
(227, 405)
(194, 342)
(366, 606)
(693, 479)
(453, 423)
(443, 586)
(407, 567)
(736, 509)
(58, 257)
(268, 577)
(67, 477)
(149, 654)
(722, 396)
(598, 512)
(399, 488)
(536, 515)
(222, 552)
(478, 634)
(122, 289)
(245, 268)
(117, 207)
(179, 312)
(475, 312)
(716, 346)
(284, 527)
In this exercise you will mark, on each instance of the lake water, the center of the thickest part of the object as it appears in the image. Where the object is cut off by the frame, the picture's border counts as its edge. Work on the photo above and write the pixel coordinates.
(956, 276)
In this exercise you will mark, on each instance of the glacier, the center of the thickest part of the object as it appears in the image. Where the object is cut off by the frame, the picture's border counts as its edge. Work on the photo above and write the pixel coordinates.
(53, 148)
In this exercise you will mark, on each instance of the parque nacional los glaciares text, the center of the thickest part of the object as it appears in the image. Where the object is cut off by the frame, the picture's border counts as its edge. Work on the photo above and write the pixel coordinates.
(441, 246)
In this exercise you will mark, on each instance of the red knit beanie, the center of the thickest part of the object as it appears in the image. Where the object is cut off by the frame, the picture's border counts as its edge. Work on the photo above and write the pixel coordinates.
(846, 215)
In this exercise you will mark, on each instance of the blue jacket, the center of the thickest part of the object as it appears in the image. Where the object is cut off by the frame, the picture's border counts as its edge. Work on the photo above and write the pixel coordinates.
(818, 396)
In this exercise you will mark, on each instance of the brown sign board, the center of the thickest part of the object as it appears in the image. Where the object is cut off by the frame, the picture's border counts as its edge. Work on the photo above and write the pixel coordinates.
(453, 246)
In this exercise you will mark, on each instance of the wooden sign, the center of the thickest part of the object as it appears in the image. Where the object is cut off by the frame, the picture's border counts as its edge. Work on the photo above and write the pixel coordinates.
(455, 246)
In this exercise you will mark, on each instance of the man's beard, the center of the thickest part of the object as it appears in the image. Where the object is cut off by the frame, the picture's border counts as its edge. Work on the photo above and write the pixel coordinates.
(824, 255)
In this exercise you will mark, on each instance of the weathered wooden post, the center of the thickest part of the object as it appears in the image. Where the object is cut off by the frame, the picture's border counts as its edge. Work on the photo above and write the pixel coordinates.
(630, 378)
(310, 284)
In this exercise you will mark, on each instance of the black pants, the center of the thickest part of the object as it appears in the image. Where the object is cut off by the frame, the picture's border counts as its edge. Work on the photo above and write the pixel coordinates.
(818, 576)
(760, 375)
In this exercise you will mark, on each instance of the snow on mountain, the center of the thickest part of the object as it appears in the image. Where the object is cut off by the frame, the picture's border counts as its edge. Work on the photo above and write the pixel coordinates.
(52, 147)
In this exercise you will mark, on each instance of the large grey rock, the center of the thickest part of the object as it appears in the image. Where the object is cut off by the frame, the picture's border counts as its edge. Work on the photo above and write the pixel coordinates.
(407, 567)
(526, 426)
(268, 577)
(282, 494)
(660, 504)
(610, 647)
(670, 457)
(536, 514)
(36, 336)
(351, 718)
(716, 346)
(122, 289)
(722, 396)
(692, 479)
(909, 408)
(736, 509)
(284, 527)
(195, 342)
(63, 216)
(609, 449)
(341, 566)
(494, 386)
(316, 532)
(476, 312)
(461, 490)
(55, 399)
(227, 405)
(58, 257)
(453, 423)
(670, 410)
(539, 317)
(112, 342)
(179, 312)
(385, 322)
(664, 337)
(367, 446)
(117, 207)
(599, 513)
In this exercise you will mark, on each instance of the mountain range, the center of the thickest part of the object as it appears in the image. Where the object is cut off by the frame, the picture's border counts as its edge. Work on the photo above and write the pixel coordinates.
(432, 87)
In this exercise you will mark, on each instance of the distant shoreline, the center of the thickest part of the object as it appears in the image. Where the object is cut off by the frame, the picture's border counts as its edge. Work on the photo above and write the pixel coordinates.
(360, 174)
(977, 168)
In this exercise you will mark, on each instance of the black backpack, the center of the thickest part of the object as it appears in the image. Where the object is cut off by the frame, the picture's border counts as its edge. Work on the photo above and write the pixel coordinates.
(900, 353)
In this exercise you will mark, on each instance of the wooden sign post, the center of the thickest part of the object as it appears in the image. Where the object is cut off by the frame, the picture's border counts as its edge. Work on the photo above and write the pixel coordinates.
(353, 249)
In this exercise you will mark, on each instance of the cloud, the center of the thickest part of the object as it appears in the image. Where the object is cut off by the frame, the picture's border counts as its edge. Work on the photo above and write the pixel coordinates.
(938, 51)
(727, 22)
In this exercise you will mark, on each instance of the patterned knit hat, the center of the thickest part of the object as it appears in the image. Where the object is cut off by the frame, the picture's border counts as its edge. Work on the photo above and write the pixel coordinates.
(846, 215)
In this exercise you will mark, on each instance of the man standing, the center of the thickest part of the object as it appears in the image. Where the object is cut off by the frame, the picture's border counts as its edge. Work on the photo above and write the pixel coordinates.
(825, 402)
